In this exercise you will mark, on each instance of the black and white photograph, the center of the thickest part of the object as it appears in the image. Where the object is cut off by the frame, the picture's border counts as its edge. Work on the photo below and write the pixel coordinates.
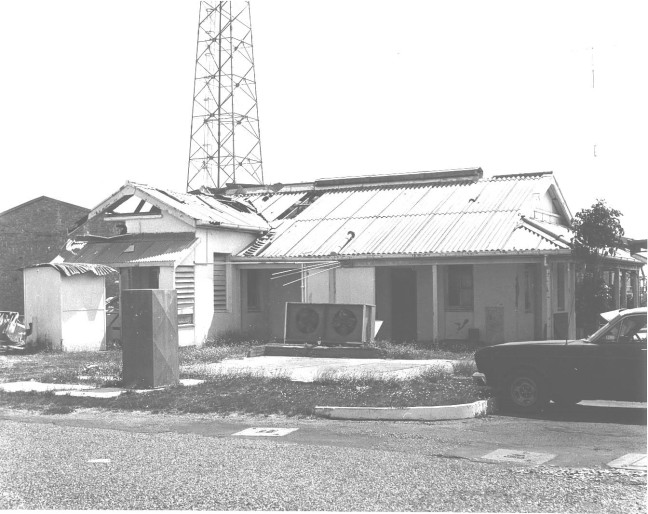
(309, 256)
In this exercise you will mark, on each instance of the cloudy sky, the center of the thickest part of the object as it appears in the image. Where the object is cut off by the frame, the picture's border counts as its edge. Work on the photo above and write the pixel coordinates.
(97, 93)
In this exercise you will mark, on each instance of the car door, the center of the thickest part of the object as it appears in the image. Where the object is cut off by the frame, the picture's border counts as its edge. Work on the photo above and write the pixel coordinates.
(621, 360)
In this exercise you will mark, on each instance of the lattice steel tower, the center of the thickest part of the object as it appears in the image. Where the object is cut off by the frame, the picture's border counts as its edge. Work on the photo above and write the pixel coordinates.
(225, 144)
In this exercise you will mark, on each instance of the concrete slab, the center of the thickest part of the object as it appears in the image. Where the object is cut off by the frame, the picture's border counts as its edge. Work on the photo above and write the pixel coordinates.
(520, 456)
(435, 413)
(101, 392)
(637, 461)
(306, 369)
(40, 387)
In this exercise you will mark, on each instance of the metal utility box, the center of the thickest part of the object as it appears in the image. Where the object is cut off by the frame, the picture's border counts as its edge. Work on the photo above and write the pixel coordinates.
(149, 337)
(329, 323)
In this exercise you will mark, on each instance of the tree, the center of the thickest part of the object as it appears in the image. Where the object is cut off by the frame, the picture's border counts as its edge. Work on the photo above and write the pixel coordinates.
(597, 234)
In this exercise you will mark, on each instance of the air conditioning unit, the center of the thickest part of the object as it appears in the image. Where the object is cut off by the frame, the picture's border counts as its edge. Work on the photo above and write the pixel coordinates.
(329, 323)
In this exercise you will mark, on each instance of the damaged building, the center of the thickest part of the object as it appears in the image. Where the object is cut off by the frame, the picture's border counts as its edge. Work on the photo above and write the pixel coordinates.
(448, 255)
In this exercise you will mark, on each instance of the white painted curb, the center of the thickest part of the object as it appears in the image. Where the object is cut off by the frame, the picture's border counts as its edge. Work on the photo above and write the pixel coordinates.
(438, 413)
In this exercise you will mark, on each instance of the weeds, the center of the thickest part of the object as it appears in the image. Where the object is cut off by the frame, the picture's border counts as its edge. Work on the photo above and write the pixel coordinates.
(424, 351)
(465, 368)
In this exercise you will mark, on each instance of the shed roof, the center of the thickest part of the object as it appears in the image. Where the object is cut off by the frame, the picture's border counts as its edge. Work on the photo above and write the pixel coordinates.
(461, 213)
(129, 249)
(70, 269)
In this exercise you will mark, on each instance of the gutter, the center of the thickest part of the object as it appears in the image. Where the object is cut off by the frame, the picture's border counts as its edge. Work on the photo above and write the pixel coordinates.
(227, 226)
(363, 257)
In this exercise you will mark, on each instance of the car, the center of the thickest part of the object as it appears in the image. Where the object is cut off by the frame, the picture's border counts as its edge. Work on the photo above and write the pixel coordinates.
(608, 365)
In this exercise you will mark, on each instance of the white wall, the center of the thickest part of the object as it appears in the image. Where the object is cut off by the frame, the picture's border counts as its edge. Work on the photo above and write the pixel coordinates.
(156, 225)
(496, 293)
(270, 317)
(204, 301)
(355, 285)
(223, 241)
(212, 241)
(83, 308)
(43, 305)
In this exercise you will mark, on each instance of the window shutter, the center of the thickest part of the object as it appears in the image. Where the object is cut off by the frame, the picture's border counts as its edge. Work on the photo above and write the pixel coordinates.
(220, 284)
(185, 290)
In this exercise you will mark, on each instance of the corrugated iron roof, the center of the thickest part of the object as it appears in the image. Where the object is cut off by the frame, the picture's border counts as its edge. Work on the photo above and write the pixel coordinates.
(129, 249)
(71, 269)
(471, 216)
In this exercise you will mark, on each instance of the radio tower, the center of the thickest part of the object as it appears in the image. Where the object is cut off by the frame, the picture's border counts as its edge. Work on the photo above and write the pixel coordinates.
(225, 145)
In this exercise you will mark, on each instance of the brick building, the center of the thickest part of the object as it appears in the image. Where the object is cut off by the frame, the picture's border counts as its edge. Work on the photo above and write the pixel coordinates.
(32, 233)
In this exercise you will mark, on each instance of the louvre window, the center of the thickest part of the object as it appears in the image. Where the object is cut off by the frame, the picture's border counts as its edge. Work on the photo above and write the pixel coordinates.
(220, 283)
(185, 290)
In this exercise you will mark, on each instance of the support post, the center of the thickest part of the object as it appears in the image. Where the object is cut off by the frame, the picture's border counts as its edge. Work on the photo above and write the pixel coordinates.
(634, 280)
(548, 321)
(571, 287)
(617, 288)
(435, 303)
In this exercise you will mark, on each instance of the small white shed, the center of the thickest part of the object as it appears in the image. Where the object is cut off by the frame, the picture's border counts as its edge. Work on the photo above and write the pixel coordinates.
(66, 304)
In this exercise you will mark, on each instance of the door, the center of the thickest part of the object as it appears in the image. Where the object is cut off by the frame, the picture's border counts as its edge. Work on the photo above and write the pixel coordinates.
(403, 287)
(620, 359)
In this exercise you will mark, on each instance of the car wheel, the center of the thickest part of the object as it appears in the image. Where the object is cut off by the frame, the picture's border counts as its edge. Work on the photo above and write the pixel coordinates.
(525, 391)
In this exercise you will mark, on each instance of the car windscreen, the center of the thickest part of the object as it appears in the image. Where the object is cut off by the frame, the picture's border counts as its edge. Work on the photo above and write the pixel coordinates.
(596, 334)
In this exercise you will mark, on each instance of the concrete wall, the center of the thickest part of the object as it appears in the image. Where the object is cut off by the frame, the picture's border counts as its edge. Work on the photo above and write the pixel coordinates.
(384, 301)
(500, 313)
(203, 303)
(425, 313)
(83, 313)
(224, 242)
(31, 233)
(269, 319)
(43, 306)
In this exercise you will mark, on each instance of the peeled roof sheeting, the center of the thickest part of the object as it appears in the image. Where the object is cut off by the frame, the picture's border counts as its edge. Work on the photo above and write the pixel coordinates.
(205, 208)
(274, 205)
(145, 248)
(70, 269)
(468, 217)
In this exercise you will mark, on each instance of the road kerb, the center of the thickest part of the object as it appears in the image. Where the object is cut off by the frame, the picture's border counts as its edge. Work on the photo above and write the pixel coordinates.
(437, 413)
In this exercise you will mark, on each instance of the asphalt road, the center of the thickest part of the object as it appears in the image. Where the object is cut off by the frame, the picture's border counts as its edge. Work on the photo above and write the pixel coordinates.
(97, 460)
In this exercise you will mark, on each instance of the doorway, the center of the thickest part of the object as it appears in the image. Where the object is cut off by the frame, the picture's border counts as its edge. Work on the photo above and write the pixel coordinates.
(403, 308)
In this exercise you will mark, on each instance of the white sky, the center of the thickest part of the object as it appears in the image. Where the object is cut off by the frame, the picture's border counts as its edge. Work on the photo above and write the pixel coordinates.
(96, 93)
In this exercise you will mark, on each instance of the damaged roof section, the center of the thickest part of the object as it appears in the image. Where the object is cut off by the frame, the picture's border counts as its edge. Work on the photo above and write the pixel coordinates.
(129, 249)
(70, 269)
(454, 212)
(196, 209)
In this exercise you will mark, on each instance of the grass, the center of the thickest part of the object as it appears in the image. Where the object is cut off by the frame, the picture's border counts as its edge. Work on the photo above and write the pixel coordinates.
(241, 391)
(453, 350)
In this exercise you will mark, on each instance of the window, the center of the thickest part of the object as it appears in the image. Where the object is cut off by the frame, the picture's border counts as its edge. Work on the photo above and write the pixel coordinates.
(185, 291)
(631, 329)
(460, 287)
(220, 283)
(253, 292)
(145, 277)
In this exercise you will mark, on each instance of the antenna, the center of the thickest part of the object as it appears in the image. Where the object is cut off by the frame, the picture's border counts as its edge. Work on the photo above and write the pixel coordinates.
(225, 142)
